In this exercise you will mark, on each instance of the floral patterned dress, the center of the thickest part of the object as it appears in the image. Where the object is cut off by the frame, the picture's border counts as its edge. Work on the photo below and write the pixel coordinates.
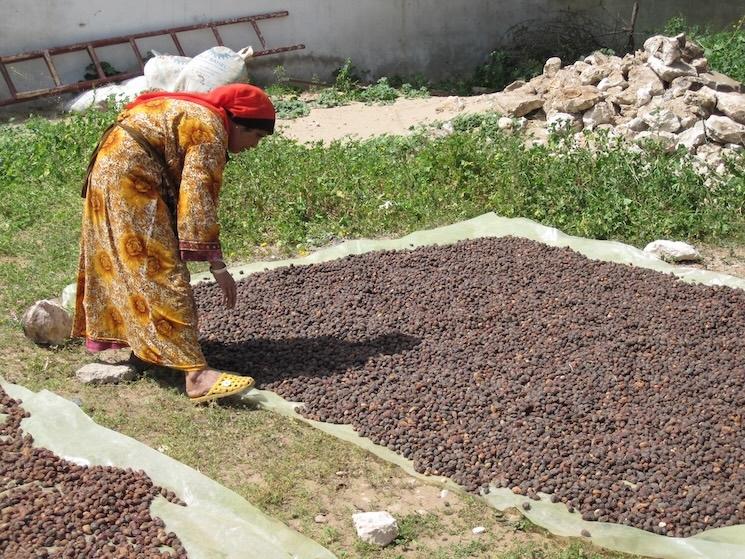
(139, 226)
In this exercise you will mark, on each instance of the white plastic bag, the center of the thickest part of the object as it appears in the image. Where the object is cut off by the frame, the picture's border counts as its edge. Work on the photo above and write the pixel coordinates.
(126, 91)
(162, 71)
(212, 68)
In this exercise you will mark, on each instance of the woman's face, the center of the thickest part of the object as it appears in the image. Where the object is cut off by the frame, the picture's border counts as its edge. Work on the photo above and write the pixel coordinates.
(241, 138)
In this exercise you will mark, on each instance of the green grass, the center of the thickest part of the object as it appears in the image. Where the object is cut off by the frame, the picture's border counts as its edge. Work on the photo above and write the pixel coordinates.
(297, 196)
(724, 49)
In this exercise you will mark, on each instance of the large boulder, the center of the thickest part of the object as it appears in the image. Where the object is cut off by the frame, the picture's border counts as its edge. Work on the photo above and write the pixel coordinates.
(47, 322)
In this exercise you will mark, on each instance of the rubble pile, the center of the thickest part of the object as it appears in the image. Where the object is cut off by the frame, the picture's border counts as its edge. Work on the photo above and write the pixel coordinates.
(665, 92)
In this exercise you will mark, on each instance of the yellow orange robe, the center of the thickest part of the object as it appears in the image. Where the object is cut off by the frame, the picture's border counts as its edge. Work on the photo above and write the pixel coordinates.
(133, 284)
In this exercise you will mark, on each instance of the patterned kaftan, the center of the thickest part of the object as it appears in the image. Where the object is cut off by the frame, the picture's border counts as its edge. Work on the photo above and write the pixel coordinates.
(133, 284)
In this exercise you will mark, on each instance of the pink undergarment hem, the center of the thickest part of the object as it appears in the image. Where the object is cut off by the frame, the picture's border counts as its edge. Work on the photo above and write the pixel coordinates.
(95, 345)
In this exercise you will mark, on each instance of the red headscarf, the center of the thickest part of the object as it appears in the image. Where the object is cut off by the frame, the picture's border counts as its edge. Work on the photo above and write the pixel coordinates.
(240, 99)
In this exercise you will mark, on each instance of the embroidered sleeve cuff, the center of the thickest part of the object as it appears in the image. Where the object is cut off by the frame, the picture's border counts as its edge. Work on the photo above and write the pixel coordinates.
(200, 251)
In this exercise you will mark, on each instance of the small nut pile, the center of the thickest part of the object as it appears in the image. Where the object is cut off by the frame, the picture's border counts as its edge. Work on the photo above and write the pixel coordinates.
(619, 391)
(50, 507)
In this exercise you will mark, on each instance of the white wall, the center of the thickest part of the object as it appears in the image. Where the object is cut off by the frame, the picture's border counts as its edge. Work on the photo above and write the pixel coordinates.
(432, 37)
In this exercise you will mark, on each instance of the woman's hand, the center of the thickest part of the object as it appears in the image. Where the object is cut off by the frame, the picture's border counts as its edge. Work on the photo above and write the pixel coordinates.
(226, 283)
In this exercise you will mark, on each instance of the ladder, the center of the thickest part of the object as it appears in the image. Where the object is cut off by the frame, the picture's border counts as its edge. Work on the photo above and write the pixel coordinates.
(91, 46)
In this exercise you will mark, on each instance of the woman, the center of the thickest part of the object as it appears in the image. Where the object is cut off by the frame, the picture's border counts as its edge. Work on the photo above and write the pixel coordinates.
(151, 198)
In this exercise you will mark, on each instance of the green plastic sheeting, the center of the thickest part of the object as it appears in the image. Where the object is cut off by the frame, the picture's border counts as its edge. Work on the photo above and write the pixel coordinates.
(216, 523)
(721, 543)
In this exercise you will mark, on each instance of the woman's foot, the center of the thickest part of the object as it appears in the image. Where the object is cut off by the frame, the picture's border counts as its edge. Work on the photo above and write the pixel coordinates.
(198, 383)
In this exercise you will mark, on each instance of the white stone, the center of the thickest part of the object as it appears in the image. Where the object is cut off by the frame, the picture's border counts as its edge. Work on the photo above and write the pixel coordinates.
(444, 494)
(573, 99)
(668, 72)
(377, 528)
(101, 373)
(643, 96)
(724, 130)
(692, 138)
(507, 123)
(662, 120)
(673, 251)
(637, 124)
(602, 113)
(320, 519)
(667, 49)
(732, 105)
(616, 79)
(563, 122)
(478, 530)
(47, 322)
(516, 104)
(737, 148)
(552, 67)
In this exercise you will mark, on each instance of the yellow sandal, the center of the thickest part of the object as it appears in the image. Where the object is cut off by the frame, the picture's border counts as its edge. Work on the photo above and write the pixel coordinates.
(226, 385)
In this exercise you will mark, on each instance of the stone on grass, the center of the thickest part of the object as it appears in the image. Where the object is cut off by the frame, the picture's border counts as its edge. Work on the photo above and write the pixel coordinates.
(377, 528)
(103, 373)
(673, 251)
(478, 530)
(320, 519)
(47, 322)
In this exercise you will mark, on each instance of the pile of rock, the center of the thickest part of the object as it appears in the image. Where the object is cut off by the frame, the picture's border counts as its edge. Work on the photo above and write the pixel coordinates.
(665, 92)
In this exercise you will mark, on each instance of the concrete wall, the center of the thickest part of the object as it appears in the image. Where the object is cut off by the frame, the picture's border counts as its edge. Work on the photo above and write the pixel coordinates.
(433, 37)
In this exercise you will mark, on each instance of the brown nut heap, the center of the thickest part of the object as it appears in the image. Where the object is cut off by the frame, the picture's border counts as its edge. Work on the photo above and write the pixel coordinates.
(618, 391)
(51, 507)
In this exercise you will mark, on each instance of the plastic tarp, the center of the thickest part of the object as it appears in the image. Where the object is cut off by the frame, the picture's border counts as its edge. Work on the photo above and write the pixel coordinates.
(216, 523)
(721, 543)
